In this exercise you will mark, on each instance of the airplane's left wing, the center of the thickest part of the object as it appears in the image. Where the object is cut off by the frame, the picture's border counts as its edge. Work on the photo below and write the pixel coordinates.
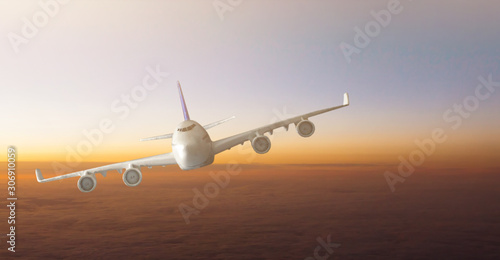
(261, 143)
(87, 180)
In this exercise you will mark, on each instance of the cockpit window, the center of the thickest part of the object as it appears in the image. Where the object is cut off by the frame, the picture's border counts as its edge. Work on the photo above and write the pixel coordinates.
(185, 129)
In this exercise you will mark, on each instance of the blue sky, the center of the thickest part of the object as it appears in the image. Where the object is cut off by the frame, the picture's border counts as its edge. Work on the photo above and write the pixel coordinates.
(264, 56)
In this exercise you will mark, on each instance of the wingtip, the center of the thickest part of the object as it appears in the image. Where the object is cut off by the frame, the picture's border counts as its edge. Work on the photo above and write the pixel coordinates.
(39, 176)
(346, 99)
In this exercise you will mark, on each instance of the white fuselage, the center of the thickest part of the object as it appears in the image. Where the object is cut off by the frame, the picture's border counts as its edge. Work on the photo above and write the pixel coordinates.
(192, 146)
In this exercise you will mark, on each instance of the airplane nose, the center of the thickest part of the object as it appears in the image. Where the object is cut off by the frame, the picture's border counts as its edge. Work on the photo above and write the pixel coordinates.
(187, 151)
(184, 151)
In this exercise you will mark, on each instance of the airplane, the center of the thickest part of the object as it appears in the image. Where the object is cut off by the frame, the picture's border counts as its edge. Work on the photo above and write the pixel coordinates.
(192, 147)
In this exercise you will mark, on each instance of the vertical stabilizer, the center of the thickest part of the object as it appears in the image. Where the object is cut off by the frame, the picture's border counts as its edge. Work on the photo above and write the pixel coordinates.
(183, 102)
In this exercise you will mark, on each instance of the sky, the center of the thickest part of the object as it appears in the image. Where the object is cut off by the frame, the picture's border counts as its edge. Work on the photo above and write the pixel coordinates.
(257, 60)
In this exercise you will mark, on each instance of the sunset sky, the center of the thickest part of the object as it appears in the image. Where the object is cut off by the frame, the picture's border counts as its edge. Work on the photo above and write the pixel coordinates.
(263, 60)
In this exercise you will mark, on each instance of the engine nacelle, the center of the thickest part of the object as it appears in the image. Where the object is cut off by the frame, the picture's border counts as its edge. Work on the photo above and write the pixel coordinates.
(87, 183)
(305, 128)
(132, 177)
(261, 144)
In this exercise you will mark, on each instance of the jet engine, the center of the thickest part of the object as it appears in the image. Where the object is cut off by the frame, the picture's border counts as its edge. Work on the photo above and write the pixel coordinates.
(261, 144)
(87, 183)
(132, 177)
(305, 128)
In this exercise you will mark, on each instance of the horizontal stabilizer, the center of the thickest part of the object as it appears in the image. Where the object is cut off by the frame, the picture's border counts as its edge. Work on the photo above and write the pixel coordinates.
(167, 136)
(218, 122)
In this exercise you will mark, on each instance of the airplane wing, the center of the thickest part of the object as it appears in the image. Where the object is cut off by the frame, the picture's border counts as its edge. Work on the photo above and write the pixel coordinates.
(157, 160)
(229, 142)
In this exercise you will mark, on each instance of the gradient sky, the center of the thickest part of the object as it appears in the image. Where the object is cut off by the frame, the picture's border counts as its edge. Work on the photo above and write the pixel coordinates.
(266, 56)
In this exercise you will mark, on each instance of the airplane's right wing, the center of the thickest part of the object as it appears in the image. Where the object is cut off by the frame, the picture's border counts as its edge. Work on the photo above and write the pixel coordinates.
(262, 144)
(87, 180)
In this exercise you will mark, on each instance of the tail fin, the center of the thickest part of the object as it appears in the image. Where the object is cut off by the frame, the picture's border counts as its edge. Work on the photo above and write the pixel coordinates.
(183, 102)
